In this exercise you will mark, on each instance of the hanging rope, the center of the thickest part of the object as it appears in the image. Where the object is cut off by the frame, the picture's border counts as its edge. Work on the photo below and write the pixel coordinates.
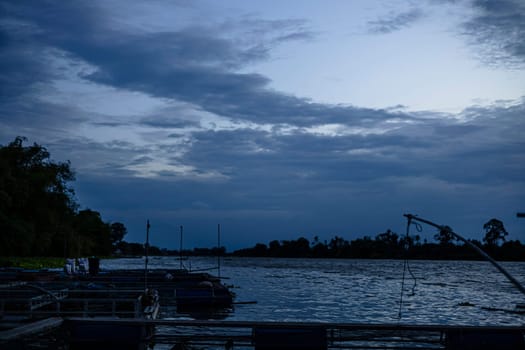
(406, 265)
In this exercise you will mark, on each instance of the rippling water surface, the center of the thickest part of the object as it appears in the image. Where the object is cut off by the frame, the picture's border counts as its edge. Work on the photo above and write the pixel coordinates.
(363, 291)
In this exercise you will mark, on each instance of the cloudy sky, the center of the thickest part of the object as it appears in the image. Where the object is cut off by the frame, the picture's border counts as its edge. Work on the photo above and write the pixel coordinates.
(276, 119)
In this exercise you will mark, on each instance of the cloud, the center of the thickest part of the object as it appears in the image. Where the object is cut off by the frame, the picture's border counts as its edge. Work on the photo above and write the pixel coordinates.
(448, 167)
(193, 64)
(484, 150)
(395, 21)
(197, 68)
(496, 31)
(193, 125)
(269, 33)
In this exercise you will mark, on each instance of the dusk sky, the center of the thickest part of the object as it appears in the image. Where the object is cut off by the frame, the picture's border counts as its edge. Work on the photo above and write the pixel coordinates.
(276, 119)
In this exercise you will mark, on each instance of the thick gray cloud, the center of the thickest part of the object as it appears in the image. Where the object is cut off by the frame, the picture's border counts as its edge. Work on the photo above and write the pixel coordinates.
(192, 64)
(494, 28)
(286, 185)
(279, 165)
(497, 30)
(451, 150)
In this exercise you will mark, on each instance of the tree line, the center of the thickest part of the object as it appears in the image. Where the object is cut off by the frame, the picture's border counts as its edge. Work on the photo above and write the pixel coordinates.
(39, 215)
(390, 245)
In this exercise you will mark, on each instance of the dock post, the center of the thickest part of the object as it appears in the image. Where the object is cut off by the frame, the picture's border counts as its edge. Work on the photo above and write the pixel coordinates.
(219, 250)
(146, 248)
(136, 308)
(85, 308)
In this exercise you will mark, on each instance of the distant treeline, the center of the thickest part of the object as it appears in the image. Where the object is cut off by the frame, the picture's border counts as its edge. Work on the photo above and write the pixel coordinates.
(137, 249)
(388, 245)
(39, 215)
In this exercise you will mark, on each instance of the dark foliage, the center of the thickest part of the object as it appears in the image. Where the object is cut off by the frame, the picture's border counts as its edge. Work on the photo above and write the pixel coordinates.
(39, 215)
(387, 245)
(118, 231)
(494, 232)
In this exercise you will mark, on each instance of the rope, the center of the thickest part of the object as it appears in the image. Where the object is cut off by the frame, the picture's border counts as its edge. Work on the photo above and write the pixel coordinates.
(406, 266)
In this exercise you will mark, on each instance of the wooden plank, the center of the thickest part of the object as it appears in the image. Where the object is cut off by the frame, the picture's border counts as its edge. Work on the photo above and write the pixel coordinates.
(338, 335)
(327, 325)
(47, 299)
(32, 328)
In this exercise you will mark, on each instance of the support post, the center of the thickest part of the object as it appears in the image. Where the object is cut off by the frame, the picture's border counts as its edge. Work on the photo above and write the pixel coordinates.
(219, 250)
(146, 247)
(180, 249)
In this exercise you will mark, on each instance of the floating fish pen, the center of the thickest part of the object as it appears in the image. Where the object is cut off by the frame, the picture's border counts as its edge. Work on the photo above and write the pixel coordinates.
(29, 310)
(181, 287)
(36, 301)
(113, 293)
(187, 289)
(31, 301)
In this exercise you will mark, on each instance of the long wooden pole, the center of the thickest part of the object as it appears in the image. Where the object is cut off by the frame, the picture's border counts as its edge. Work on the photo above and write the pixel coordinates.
(219, 250)
(473, 246)
(146, 246)
(180, 249)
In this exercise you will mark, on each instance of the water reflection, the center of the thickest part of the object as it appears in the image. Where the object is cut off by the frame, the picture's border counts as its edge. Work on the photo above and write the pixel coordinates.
(364, 291)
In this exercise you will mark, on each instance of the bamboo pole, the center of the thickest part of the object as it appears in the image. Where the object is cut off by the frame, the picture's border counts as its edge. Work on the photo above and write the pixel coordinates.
(219, 250)
(146, 247)
(473, 246)
(180, 248)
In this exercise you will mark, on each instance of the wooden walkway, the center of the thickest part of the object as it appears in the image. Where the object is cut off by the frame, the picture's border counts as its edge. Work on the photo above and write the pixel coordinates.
(308, 335)
(288, 335)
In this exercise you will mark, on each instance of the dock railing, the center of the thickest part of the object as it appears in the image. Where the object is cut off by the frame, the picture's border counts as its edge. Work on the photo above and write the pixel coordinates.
(69, 303)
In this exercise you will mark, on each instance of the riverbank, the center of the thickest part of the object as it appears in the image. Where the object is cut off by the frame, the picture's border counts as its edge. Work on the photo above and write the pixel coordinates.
(32, 263)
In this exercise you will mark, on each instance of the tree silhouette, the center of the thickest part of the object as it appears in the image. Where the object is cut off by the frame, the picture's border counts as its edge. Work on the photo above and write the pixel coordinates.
(494, 232)
(444, 236)
(118, 231)
(389, 238)
(36, 203)
(38, 212)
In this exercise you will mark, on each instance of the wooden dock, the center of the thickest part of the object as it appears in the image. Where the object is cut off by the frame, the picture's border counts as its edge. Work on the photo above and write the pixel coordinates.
(181, 334)
(311, 335)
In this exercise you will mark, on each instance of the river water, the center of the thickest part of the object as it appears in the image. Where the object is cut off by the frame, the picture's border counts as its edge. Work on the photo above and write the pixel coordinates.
(362, 291)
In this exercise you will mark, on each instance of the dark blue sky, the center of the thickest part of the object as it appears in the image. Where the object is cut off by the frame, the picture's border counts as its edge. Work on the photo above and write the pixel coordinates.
(274, 120)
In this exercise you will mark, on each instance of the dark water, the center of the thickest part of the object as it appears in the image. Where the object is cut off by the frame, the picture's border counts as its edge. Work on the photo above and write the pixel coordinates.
(363, 291)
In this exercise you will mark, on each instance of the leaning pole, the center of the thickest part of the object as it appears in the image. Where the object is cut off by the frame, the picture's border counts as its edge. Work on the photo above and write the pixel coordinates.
(515, 282)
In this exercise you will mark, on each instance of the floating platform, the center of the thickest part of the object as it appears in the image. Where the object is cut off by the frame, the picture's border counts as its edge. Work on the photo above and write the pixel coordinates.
(314, 336)
(181, 287)
(103, 333)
